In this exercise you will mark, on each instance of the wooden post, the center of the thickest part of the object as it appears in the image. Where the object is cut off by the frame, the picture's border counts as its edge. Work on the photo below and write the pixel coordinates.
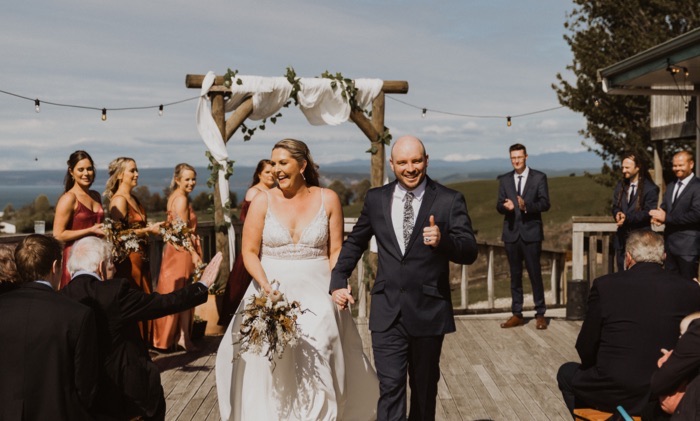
(379, 158)
(489, 278)
(219, 115)
(464, 287)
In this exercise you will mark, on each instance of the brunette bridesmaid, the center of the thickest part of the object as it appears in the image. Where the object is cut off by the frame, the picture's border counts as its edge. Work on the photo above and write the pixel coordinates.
(178, 264)
(239, 279)
(125, 207)
(79, 210)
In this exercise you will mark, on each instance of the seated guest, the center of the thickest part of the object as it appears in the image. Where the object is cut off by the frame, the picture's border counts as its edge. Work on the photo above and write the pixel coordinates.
(8, 269)
(48, 369)
(129, 384)
(677, 376)
(631, 315)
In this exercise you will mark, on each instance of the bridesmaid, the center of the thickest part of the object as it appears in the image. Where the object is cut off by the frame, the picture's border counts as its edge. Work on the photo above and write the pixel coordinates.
(239, 279)
(124, 207)
(79, 210)
(177, 265)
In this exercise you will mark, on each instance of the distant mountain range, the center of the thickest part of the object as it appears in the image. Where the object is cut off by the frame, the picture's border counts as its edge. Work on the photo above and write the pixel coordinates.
(21, 187)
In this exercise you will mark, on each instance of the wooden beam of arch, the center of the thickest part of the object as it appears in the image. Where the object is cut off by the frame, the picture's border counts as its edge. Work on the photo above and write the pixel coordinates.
(389, 86)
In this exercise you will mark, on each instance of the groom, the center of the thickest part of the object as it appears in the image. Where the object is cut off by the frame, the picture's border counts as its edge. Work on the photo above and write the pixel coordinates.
(420, 226)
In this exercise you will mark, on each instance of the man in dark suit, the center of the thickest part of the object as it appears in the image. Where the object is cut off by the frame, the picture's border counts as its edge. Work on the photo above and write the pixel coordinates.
(523, 195)
(681, 367)
(680, 212)
(129, 384)
(634, 196)
(420, 226)
(48, 369)
(631, 316)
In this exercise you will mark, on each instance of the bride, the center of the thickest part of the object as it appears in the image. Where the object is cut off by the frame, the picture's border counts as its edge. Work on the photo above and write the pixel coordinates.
(297, 230)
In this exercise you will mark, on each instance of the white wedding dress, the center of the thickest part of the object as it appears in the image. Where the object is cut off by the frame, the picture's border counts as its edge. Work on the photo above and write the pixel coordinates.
(326, 376)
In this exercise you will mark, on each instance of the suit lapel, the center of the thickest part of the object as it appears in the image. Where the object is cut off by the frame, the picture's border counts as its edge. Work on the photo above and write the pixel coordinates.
(387, 196)
(683, 193)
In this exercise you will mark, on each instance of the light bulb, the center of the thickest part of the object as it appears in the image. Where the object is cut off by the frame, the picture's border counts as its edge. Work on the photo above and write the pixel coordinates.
(104, 114)
(37, 105)
(160, 110)
(596, 102)
(508, 122)
(425, 110)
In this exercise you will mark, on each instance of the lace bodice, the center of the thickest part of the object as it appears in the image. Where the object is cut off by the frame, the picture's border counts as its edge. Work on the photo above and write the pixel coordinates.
(277, 242)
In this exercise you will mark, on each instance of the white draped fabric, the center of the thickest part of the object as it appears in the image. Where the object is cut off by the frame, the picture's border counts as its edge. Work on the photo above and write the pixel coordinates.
(215, 143)
(320, 103)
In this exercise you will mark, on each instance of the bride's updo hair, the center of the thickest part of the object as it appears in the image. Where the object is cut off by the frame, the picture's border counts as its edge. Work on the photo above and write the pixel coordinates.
(300, 152)
(179, 168)
(116, 168)
(73, 160)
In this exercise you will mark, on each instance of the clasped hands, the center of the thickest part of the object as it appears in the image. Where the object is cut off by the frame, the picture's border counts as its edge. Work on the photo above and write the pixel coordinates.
(658, 216)
(510, 206)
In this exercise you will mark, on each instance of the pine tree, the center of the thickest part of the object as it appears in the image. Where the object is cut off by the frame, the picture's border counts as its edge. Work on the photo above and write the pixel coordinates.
(602, 33)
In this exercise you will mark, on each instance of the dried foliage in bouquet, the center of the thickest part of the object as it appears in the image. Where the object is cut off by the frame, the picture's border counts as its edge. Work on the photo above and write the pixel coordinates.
(123, 238)
(269, 324)
(177, 233)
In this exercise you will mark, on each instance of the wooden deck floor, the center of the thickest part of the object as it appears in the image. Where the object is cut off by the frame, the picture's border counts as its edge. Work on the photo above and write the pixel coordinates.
(488, 373)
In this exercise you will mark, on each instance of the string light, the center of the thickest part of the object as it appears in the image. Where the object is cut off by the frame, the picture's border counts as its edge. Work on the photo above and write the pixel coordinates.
(596, 102)
(508, 117)
(508, 122)
(37, 104)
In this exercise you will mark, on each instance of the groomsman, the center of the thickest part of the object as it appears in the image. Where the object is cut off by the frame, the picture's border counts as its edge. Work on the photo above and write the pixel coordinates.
(522, 197)
(420, 226)
(634, 196)
(680, 212)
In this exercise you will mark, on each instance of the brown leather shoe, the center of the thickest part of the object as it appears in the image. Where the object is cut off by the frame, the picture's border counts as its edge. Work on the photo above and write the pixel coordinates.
(540, 323)
(513, 322)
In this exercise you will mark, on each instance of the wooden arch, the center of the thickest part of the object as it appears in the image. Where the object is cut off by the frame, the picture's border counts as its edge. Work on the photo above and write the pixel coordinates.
(372, 128)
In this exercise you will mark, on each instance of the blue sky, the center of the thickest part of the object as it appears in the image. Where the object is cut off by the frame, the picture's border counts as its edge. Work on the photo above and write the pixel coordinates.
(468, 57)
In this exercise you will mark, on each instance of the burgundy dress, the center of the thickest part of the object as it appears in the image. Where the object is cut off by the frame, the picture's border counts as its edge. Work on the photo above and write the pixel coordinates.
(136, 267)
(238, 281)
(83, 217)
(175, 270)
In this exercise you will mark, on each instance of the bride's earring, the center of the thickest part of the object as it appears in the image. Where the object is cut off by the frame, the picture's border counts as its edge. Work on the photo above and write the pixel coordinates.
(302, 175)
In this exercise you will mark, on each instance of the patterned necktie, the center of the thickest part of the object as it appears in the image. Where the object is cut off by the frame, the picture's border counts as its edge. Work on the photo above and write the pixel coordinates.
(407, 218)
(520, 179)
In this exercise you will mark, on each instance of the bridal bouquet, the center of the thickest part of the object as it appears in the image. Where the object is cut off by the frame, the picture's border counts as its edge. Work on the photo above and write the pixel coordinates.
(177, 233)
(123, 238)
(269, 324)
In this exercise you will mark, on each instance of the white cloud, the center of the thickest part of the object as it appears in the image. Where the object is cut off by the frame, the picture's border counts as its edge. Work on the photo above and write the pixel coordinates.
(458, 157)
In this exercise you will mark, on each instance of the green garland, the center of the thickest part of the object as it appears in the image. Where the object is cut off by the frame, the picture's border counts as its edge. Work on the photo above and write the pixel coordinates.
(214, 167)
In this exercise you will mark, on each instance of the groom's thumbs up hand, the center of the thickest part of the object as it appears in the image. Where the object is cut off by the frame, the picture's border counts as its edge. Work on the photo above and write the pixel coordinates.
(431, 233)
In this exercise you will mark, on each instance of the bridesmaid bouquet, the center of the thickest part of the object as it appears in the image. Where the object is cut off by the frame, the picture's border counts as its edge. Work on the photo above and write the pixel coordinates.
(177, 233)
(123, 238)
(269, 324)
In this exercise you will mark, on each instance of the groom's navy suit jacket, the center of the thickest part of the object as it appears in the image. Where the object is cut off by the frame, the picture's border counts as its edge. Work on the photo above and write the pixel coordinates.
(415, 284)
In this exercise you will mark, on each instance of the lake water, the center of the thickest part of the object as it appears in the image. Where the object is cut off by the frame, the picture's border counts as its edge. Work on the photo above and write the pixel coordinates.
(20, 196)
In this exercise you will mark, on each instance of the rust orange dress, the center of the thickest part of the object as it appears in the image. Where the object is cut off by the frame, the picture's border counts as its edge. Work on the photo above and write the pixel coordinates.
(136, 267)
(175, 270)
(83, 217)
(238, 281)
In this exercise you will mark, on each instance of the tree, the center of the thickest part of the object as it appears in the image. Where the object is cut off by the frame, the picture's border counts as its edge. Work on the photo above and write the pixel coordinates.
(204, 201)
(603, 32)
(343, 193)
(360, 189)
(8, 211)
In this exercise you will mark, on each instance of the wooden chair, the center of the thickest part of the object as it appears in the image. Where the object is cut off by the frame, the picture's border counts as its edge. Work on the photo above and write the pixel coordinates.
(589, 414)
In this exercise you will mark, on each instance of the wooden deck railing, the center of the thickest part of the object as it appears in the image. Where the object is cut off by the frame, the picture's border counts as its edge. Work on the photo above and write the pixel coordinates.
(490, 269)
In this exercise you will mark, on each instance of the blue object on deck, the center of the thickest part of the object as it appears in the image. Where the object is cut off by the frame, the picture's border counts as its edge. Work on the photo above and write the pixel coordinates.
(624, 413)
